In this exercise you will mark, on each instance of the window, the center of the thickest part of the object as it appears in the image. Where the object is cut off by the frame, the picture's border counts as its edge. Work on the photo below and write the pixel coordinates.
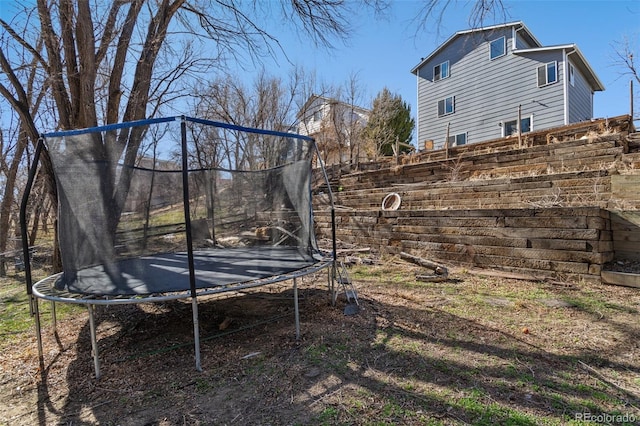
(511, 128)
(572, 78)
(441, 71)
(547, 74)
(317, 116)
(457, 140)
(498, 48)
(446, 106)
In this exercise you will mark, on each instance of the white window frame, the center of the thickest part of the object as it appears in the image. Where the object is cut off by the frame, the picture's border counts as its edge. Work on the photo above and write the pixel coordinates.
(502, 39)
(438, 75)
(504, 124)
(453, 139)
(543, 70)
(444, 106)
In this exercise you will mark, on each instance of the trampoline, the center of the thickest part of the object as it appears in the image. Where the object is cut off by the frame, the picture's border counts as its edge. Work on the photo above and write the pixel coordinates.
(177, 208)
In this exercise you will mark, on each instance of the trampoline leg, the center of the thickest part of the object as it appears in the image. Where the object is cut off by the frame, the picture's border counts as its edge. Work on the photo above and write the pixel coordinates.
(331, 273)
(196, 332)
(36, 313)
(31, 303)
(94, 342)
(295, 308)
(329, 285)
(53, 315)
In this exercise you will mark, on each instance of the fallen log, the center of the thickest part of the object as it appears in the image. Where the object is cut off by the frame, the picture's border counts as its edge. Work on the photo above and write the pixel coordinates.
(353, 250)
(436, 267)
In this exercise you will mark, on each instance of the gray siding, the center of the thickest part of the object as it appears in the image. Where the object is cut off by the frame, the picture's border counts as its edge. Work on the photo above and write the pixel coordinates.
(546, 103)
(488, 92)
(580, 98)
(522, 44)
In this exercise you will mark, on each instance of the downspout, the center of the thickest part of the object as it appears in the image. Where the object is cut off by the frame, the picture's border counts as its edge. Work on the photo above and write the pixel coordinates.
(565, 85)
(514, 40)
(418, 107)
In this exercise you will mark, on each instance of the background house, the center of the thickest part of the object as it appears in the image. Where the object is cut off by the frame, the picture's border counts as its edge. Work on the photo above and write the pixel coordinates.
(336, 126)
(477, 83)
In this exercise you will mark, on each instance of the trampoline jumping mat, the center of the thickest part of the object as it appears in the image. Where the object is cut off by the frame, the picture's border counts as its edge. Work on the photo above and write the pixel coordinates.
(169, 272)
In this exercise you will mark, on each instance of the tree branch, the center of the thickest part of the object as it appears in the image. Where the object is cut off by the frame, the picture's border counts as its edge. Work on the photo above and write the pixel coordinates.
(58, 88)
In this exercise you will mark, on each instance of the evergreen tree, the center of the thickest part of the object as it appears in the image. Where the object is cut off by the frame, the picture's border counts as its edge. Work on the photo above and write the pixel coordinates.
(390, 124)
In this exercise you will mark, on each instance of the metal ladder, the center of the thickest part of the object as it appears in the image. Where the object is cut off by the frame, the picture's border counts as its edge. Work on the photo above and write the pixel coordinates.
(343, 278)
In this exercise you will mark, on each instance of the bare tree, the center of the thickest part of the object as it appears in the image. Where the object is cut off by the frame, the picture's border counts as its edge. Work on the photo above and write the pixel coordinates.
(352, 118)
(12, 153)
(267, 103)
(625, 55)
(433, 12)
(112, 62)
(332, 115)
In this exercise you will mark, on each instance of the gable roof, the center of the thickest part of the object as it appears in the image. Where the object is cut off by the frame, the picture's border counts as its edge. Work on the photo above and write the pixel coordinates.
(577, 58)
(571, 49)
(519, 25)
(330, 101)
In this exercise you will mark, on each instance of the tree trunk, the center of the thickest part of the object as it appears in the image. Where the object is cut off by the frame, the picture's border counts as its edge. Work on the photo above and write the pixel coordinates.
(8, 200)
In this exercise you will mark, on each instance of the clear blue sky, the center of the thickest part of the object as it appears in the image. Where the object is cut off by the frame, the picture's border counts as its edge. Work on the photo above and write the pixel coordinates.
(382, 53)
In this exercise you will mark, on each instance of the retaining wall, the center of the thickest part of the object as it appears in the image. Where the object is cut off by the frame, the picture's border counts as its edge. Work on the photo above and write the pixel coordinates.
(555, 243)
(559, 208)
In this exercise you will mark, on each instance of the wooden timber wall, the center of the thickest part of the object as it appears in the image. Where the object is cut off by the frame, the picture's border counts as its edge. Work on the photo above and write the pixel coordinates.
(554, 243)
(559, 208)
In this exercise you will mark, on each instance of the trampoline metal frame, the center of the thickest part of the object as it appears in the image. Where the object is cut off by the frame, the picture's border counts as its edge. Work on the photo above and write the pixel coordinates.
(45, 289)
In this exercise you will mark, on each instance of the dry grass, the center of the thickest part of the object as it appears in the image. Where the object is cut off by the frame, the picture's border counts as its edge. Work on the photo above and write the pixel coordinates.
(472, 350)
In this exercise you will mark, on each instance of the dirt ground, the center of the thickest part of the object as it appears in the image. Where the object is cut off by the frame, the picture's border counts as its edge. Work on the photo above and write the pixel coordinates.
(471, 350)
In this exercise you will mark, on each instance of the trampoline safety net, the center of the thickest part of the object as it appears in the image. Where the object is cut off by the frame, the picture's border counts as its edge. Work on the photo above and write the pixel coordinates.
(139, 202)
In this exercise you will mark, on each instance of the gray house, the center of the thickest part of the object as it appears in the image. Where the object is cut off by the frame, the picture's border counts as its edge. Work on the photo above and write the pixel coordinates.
(477, 83)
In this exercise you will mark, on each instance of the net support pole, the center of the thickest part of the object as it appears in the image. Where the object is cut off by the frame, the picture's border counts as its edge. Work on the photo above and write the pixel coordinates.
(94, 340)
(24, 220)
(295, 307)
(187, 224)
(196, 332)
(334, 250)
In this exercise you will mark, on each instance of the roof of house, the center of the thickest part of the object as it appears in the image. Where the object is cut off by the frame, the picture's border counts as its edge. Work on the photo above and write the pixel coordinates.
(577, 58)
(327, 100)
(572, 50)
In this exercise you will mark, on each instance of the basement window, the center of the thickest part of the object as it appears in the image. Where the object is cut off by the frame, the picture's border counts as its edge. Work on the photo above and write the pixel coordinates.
(547, 73)
(441, 71)
(511, 127)
(458, 139)
(446, 106)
